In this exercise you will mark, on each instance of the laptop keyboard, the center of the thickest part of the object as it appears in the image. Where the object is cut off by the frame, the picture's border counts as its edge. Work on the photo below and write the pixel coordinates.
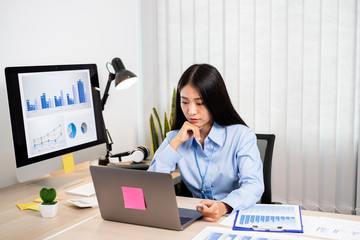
(184, 220)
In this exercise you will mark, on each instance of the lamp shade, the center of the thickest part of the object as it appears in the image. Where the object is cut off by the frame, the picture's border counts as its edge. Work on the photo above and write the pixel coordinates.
(123, 78)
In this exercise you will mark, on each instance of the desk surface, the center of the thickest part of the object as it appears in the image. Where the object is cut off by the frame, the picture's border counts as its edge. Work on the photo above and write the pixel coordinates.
(72, 222)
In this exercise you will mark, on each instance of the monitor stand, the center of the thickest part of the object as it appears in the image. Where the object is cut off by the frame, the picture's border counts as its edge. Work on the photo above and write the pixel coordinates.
(55, 182)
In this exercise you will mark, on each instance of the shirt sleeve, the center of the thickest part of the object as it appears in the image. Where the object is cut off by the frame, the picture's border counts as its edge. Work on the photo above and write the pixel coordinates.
(165, 158)
(250, 175)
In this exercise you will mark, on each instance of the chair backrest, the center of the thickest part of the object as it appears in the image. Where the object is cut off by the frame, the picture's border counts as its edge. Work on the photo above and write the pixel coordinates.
(265, 144)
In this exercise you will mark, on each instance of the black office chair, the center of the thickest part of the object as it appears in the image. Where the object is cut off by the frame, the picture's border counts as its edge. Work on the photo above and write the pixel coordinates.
(265, 144)
(182, 190)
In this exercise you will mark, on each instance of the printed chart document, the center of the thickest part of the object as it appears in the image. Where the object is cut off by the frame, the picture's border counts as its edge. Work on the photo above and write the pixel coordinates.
(217, 233)
(331, 228)
(270, 217)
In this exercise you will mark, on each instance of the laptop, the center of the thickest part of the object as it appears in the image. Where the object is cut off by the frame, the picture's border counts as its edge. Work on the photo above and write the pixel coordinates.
(139, 197)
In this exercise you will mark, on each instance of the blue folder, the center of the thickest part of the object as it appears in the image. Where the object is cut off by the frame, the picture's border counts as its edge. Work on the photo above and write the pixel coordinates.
(270, 218)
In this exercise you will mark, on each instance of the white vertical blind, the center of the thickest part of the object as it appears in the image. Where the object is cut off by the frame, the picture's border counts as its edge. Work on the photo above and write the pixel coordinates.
(231, 48)
(162, 53)
(294, 98)
(345, 154)
(357, 108)
(329, 25)
(246, 77)
(310, 119)
(262, 66)
(291, 68)
(278, 94)
(187, 34)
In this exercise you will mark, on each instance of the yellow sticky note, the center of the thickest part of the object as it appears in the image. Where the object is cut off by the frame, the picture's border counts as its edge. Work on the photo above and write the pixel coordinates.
(68, 163)
(23, 206)
(35, 207)
(39, 200)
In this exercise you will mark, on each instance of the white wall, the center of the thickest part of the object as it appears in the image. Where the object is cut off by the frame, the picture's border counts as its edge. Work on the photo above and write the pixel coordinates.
(150, 80)
(42, 32)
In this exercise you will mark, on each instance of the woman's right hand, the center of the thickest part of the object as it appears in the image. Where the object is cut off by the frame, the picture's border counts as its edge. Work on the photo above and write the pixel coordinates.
(185, 133)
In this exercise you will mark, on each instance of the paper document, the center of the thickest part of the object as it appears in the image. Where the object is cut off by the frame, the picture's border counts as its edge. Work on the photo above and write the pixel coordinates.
(270, 217)
(217, 233)
(331, 228)
(228, 220)
(85, 190)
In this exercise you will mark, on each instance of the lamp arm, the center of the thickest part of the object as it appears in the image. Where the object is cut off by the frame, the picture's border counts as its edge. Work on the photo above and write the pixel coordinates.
(107, 88)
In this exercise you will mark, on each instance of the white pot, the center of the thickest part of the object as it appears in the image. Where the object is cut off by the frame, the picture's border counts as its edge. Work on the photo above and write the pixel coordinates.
(49, 210)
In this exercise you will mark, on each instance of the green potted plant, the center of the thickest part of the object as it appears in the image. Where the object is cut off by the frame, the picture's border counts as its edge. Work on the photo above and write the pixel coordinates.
(158, 134)
(49, 207)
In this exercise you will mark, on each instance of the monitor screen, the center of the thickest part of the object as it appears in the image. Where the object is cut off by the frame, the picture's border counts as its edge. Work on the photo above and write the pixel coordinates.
(54, 110)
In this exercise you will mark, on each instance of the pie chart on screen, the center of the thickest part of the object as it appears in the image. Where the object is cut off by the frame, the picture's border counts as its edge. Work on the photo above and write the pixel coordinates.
(84, 127)
(71, 130)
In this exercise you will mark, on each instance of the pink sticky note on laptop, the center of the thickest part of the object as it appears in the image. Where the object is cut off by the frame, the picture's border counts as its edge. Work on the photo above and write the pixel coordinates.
(133, 198)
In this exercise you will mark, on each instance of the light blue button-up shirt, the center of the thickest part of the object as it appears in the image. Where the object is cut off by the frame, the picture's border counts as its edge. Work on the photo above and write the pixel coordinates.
(234, 175)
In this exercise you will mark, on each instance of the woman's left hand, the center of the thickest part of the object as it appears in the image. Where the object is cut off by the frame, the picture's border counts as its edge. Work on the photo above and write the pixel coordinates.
(212, 210)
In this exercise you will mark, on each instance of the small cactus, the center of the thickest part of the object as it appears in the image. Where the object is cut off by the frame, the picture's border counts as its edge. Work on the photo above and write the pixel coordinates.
(48, 196)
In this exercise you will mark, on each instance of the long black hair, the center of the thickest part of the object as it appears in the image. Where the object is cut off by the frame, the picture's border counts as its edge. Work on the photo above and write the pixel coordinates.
(209, 84)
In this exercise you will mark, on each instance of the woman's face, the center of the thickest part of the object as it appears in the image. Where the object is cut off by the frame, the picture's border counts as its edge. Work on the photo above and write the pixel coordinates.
(194, 108)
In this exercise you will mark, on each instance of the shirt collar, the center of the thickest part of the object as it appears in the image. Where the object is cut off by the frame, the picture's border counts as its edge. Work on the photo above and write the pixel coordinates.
(217, 134)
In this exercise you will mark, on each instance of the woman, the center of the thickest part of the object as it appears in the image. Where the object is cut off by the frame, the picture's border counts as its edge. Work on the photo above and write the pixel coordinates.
(215, 151)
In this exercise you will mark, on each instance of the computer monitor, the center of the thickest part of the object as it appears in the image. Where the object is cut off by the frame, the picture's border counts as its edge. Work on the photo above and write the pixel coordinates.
(54, 111)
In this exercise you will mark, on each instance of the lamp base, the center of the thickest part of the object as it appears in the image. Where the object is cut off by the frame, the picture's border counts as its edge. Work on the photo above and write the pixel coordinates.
(103, 161)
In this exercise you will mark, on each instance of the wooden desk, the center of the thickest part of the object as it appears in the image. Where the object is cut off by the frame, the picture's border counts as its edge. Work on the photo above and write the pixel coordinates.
(28, 224)
(72, 222)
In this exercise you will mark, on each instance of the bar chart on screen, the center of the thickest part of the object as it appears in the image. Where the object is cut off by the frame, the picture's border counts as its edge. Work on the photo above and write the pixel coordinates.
(44, 101)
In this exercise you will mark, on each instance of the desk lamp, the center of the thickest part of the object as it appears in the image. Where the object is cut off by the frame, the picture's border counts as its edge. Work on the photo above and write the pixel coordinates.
(123, 79)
